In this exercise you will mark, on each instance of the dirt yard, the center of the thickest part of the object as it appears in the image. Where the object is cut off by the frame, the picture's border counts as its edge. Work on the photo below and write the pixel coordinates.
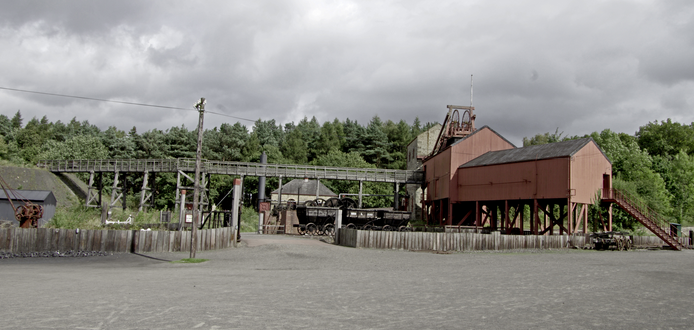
(280, 282)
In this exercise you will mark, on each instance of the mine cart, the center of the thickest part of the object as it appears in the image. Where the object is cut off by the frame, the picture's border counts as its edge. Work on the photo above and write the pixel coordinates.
(316, 220)
(615, 240)
(361, 219)
(394, 220)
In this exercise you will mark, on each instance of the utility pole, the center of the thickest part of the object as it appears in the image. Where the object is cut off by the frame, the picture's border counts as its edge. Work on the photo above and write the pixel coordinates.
(200, 106)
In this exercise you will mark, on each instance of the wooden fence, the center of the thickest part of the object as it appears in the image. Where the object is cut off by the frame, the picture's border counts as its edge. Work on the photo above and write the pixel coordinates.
(448, 241)
(427, 241)
(646, 241)
(18, 240)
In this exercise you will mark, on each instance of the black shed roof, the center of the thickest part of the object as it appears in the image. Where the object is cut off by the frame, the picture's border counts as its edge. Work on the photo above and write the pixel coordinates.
(529, 153)
(31, 195)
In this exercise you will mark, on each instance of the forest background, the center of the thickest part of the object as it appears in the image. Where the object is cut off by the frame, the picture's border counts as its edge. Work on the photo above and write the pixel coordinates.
(656, 163)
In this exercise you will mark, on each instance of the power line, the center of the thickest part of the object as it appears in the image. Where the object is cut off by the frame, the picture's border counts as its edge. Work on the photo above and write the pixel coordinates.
(119, 102)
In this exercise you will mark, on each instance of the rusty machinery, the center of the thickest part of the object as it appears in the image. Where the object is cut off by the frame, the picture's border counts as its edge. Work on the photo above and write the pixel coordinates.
(611, 240)
(455, 126)
(28, 213)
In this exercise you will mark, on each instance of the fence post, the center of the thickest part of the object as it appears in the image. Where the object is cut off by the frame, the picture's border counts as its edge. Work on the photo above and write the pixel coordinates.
(235, 207)
(338, 226)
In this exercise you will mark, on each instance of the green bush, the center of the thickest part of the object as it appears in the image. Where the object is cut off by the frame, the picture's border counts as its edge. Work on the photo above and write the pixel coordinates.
(249, 219)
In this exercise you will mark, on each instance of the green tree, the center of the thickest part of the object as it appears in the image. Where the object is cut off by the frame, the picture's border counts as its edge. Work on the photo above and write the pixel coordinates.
(399, 135)
(151, 145)
(678, 173)
(5, 125)
(78, 147)
(666, 138)
(182, 143)
(353, 136)
(30, 139)
(295, 147)
(119, 144)
(633, 171)
(376, 144)
(268, 132)
(17, 120)
(311, 133)
(232, 140)
(544, 138)
(329, 138)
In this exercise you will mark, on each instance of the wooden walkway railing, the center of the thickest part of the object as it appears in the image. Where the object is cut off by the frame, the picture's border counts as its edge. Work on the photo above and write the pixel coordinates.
(645, 215)
(234, 168)
(19, 240)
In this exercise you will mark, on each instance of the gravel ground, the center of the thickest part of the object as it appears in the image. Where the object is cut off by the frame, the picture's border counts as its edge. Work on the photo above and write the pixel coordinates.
(280, 282)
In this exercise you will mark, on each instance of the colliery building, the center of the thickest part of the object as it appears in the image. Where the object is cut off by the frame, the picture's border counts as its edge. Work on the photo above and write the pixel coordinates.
(475, 177)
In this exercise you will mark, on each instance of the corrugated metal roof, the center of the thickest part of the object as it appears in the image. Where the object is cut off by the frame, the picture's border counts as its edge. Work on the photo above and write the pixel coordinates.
(543, 151)
(299, 186)
(31, 195)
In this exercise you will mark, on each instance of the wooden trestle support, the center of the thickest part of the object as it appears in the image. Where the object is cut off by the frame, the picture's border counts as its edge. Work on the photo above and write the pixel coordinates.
(544, 216)
(147, 193)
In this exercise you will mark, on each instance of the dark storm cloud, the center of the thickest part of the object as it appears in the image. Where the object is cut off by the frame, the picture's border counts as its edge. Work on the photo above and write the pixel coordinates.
(79, 17)
(537, 65)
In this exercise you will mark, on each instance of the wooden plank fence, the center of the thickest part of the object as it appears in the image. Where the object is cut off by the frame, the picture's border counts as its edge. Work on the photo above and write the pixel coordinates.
(646, 241)
(468, 241)
(18, 240)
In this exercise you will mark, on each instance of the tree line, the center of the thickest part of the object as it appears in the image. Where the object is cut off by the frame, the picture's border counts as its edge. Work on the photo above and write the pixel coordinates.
(655, 164)
(381, 144)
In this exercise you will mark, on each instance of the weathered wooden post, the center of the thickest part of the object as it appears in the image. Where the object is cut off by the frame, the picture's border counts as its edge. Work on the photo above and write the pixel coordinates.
(338, 225)
(182, 211)
(235, 206)
(200, 106)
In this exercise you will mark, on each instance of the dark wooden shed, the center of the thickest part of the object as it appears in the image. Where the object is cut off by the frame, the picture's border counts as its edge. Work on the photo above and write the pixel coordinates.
(568, 175)
(44, 198)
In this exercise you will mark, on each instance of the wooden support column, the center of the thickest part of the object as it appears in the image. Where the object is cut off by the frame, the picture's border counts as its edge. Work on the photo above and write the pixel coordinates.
(495, 216)
(178, 187)
(569, 216)
(317, 188)
(235, 207)
(544, 220)
(551, 224)
(507, 219)
(92, 192)
(585, 220)
(182, 210)
(478, 216)
(536, 218)
(360, 192)
(115, 194)
(609, 213)
(145, 195)
(396, 197)
(521, 209)
(279, 194)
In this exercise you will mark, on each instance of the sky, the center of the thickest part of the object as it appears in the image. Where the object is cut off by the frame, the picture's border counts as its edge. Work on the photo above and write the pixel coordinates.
(538, 66)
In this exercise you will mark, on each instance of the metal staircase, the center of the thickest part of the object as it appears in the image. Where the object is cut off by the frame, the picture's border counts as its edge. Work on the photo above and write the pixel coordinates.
(645, 215)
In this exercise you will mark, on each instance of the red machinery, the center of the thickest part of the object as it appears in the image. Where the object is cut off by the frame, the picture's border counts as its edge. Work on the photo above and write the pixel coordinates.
(28, 214)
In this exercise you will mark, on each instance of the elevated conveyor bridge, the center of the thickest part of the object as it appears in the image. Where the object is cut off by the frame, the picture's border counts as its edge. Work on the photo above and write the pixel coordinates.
(182, 166)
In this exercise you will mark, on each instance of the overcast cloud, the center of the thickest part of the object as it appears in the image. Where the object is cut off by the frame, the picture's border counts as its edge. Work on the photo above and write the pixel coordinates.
(580, 66)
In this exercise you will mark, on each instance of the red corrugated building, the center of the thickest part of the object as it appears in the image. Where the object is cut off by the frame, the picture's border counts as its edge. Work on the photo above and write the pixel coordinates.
(567, 176)
(478, 178)
(441, 170)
